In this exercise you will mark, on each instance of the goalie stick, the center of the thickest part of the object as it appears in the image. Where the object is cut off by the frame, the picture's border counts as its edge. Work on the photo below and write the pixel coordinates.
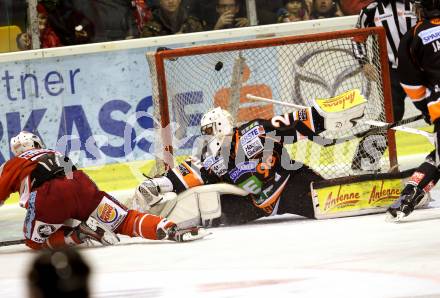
(428, 135)
(287, 104)
(381, 126)
(323, 141)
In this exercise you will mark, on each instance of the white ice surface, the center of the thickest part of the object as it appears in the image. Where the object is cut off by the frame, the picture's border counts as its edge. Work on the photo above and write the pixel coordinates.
(284, 256)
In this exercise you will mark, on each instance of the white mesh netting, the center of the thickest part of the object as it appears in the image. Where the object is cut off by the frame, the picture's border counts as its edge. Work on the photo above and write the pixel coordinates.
(296, 71)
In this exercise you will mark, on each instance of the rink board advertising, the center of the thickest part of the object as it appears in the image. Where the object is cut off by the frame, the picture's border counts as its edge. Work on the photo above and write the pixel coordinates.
(96, 107)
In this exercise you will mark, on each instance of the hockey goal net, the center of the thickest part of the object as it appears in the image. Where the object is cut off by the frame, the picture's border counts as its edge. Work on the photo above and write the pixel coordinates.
(187, 82)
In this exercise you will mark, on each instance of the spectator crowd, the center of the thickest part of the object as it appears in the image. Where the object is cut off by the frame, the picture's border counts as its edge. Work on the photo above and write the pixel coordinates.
(72, 22)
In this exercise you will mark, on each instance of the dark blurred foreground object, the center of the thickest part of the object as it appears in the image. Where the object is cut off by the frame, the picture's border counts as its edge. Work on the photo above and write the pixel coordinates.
(59, 273)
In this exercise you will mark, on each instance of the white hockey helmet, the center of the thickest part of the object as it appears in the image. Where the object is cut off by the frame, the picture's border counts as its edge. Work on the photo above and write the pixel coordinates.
(217, 123)
(25, 141)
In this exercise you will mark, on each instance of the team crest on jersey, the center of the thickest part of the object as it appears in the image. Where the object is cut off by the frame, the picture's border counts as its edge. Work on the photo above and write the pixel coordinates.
(430, 35)
(252, 134)
(45, 230)
(253, 147)
(241, 169)
(107, 213)
(42, 231)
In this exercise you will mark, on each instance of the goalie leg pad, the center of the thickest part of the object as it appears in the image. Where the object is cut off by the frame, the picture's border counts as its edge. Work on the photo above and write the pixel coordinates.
(192, 208)
(210, 207)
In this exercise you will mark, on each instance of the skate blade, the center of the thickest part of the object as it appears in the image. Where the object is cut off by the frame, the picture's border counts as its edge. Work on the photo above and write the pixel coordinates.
(390, 218)
(400, 216)
(202, 233)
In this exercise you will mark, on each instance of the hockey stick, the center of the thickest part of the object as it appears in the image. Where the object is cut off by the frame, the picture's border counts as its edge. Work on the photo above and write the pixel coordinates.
(392, 125)
(311, 135)
(287, 104)
(429, 136)
(381, 125)
(314, 137)
(12, 242)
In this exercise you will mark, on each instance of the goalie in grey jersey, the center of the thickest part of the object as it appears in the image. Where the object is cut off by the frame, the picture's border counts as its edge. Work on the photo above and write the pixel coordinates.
(251, 157)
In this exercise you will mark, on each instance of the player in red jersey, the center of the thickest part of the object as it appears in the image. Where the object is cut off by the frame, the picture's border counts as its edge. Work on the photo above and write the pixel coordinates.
(55, 193)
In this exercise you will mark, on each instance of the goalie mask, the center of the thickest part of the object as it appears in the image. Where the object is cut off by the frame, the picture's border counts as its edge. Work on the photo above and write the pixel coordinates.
(215, 126)
(25, 141)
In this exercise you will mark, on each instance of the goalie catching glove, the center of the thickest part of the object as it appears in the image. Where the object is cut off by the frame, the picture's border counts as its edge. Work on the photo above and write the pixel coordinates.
(169, 231)
(342, 111)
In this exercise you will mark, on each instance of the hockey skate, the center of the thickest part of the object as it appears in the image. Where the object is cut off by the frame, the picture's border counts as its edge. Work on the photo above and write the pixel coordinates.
(408, 200)
(187, 234)
(93, 230)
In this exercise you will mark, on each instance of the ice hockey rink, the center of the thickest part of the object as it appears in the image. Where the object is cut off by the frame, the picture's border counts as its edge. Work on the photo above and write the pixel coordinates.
(284, 256)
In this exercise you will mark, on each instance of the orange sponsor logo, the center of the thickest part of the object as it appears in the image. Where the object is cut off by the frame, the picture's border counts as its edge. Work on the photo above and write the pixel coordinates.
(381, 194)
(107, 213)
(341, 199)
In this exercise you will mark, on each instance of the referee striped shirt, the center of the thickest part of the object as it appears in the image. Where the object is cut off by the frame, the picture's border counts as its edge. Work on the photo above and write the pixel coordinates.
(394, 16)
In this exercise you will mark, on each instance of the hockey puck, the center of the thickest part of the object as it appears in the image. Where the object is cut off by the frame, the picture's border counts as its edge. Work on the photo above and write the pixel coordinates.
(219, 66)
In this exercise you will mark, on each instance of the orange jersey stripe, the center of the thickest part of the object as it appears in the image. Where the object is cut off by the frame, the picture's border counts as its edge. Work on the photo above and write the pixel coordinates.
(192, 179)
(138, 224)
(434, 110)
(416, 93)
(275, 196)
(237, 139)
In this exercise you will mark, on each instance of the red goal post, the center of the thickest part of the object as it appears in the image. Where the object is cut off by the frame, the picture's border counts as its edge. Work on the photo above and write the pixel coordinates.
(188, 82)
